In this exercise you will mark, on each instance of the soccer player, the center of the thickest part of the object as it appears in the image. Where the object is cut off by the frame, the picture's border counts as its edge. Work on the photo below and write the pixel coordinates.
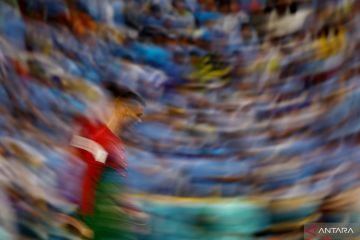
(100, 148)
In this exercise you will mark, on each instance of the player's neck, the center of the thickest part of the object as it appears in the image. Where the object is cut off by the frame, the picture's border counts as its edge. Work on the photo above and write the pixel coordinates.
(114, 123)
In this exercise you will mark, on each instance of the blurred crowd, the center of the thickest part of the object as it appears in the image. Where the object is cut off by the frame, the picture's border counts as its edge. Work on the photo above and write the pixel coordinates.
(251, 124)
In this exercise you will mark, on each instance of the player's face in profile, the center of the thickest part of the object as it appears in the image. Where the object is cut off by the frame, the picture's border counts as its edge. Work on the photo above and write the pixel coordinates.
(127, 114)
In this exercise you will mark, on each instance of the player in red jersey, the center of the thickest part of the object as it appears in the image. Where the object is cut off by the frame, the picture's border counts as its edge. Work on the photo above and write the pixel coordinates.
(100, 148)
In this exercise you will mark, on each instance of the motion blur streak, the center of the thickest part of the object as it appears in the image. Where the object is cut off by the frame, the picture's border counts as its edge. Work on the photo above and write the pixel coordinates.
(178, 119)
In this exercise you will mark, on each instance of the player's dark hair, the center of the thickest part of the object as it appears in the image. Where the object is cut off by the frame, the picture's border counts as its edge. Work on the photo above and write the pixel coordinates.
(117, 91)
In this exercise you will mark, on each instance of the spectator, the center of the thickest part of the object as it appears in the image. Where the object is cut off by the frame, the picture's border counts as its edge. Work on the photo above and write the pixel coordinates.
(178, 67)
(154, 17)
(232, 17)
(181, 19)
(284, 13)
(246, 37)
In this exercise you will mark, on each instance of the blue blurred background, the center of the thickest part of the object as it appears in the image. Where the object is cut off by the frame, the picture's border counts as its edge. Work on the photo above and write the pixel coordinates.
(251, 125)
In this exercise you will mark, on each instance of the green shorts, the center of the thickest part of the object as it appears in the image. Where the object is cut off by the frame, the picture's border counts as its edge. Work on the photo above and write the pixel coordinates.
(108, 221)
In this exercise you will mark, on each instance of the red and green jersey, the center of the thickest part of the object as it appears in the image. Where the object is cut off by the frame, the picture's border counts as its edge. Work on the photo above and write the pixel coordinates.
(99, 148)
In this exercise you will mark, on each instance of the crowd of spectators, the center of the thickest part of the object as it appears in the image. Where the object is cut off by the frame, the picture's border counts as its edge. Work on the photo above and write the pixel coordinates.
(244, 99)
